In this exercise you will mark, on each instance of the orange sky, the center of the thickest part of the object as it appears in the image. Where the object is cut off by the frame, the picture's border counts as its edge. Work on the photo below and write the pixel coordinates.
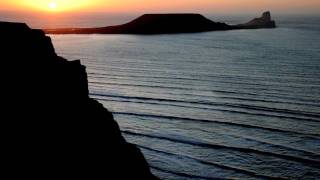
(144, 6)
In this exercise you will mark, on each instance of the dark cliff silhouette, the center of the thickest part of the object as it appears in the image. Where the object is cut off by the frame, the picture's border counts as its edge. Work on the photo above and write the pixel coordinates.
(49, 125)
(168, 24)
(264, 21)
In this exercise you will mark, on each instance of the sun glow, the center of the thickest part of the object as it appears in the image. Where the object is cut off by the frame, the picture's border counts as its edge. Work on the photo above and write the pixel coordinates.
(56, 5)
(162, 6)
(52, 5)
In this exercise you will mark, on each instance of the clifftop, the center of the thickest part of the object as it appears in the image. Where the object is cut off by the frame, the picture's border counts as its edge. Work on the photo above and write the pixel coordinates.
(50, 126)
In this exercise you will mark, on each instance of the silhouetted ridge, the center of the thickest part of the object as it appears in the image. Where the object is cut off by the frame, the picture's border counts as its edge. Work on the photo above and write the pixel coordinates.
(50, 126)
(168, 24)
(172, 23)
(264, 21)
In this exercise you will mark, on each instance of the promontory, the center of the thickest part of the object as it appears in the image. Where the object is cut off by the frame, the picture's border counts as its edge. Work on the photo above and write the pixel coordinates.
(169, 24)
(50, 127)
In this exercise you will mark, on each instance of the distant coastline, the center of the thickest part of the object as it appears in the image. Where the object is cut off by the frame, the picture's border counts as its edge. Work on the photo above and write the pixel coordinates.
(169, 24)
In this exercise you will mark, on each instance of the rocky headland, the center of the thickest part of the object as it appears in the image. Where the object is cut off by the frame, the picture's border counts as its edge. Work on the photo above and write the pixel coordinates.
(264, 21)
(169, 24)
(50, 127)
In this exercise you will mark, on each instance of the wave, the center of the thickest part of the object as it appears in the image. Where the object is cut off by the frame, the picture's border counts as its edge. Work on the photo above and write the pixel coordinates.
(236, 169)
(184, 174)
(250, 99)
(210, 78)
(309, 101)
(211, 109)
(310, 98)
(261, 144)
(214, 78)
(310, 135)
(224, 81)
(145, 70)
(242, 106)
(308, 162)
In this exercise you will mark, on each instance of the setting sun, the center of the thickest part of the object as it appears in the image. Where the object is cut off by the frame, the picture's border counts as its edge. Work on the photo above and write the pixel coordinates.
(55, 5)
(52, 5)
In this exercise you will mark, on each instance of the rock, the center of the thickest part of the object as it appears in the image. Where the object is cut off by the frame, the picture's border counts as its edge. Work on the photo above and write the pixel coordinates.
(266, 16)
(50, 127)
(264, 21)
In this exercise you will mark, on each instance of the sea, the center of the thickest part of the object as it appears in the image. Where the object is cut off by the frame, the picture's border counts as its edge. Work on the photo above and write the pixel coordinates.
(241, 104)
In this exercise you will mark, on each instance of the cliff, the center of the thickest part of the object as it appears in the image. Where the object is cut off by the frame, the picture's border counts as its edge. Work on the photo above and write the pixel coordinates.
(168, 24)
(50, 127)
(264, 21)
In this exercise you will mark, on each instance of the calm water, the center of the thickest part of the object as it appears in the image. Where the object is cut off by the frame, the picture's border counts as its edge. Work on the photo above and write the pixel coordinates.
(237, 104)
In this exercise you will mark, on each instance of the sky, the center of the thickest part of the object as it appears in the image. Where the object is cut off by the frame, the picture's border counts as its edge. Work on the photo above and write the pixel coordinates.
(158, 6)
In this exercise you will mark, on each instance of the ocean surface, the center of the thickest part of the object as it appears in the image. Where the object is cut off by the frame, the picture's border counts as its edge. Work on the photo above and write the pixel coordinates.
(241, 104)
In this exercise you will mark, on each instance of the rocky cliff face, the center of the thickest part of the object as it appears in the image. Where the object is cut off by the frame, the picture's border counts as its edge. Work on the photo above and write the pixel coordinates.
(264, 21)
(50, 127)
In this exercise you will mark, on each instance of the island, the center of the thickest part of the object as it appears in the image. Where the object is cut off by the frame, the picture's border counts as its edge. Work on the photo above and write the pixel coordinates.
(50, 127)
(169, 24)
